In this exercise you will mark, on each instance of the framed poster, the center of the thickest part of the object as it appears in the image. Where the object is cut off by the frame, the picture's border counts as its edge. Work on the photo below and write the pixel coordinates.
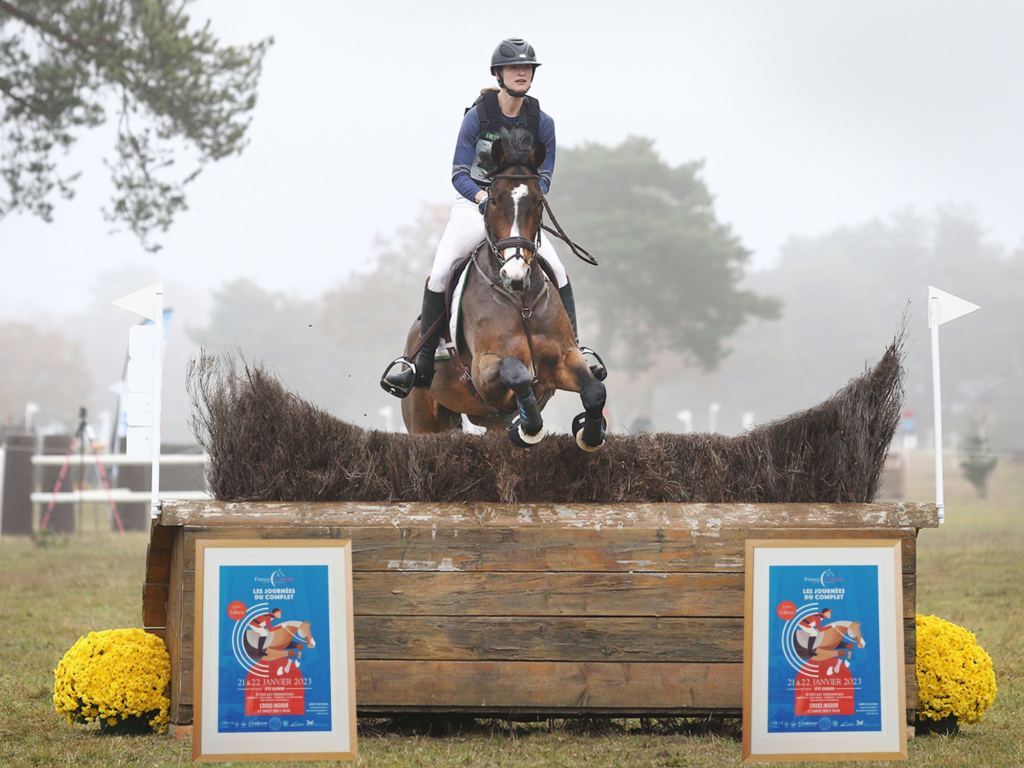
(274, 671)
(823, 670)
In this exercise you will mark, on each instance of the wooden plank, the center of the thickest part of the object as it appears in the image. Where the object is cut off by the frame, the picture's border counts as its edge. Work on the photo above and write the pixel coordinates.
(187, 683)
(708, 517)
(476, 593)
(609, 551)
(158, 573)
(554, 687)
(485, 687)
(154, 605)
(470, 638)
(470, 593)
(909, 595)
(187, 630)
(577, 688)
(570, 685)
(161, 537)
(558, 638)
(173, 638)
(155, 556)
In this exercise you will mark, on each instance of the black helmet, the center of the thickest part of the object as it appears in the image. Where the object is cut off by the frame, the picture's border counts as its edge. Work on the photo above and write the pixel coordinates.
(513, 50)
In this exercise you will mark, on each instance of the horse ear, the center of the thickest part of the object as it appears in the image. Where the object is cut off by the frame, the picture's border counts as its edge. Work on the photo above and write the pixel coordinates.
(540, 151)
(498, 154)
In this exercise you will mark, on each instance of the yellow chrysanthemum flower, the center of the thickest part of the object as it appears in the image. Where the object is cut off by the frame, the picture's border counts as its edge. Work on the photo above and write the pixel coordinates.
(954, 674)
(114, 674)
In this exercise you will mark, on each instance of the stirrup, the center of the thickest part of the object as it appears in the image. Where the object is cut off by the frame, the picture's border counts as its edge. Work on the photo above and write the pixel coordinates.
(598, 368)
(399, 388)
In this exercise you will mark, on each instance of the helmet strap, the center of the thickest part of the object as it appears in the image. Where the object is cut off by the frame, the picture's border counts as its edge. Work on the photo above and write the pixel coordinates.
(508, 90)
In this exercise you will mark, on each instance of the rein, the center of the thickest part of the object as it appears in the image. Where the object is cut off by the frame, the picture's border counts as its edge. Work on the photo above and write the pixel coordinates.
(578, 250)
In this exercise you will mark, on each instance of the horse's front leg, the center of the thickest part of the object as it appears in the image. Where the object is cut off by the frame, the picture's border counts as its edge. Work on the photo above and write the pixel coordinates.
(588, 427)
(527, 426)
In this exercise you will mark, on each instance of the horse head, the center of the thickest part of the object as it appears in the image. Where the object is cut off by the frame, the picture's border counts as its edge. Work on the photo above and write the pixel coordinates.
(512, 217)
(854, 631)
(305, 633)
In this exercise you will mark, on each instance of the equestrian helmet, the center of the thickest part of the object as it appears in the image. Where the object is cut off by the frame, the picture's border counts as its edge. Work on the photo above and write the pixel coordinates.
(513, 50)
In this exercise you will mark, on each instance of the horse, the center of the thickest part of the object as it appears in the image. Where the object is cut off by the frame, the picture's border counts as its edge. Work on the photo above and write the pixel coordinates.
(516, 345)
(835, 641)
(282, 642)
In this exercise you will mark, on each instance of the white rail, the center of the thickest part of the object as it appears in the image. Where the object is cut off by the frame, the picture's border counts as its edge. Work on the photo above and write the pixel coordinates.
(120, 496)
(110, 459)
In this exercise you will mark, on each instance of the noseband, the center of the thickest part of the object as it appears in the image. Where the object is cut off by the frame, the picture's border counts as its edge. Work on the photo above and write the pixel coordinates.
(519, 243)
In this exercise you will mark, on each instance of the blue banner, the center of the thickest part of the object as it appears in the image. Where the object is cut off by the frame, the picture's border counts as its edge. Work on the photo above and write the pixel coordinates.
(824, 659)
(273, 620)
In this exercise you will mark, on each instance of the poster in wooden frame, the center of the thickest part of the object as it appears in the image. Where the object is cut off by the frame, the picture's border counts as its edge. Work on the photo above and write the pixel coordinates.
(823, 662)
(274, 671)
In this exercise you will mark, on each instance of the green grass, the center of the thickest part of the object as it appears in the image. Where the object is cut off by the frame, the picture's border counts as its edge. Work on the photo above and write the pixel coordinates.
(970, 572)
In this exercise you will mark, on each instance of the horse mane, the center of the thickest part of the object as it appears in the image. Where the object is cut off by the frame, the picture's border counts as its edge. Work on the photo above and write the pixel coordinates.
(518, 145)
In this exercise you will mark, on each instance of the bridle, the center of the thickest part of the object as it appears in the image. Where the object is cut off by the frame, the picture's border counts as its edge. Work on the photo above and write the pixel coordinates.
(524, 242)
(517, 242)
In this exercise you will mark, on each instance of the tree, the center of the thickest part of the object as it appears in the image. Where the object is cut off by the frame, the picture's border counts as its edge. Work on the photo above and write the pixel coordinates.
(670, 272)
(846, 292)
(978, 462)
(41, 366)
(62, 64)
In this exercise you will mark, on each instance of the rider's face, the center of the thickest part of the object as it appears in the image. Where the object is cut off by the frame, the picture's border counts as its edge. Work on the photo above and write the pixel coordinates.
(518, 77)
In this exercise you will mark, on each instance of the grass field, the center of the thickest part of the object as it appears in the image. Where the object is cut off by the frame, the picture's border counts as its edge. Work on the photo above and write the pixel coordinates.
(52, 592)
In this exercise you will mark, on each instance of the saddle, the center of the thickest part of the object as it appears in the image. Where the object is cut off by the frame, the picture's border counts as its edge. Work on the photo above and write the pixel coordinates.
(447, 345)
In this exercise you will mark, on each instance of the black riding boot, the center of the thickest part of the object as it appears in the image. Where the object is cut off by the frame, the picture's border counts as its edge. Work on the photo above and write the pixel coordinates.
(598, 369)
(401, 383)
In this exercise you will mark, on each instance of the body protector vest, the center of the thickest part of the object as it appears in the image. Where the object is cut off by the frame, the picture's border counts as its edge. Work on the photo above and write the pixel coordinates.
(492, 120)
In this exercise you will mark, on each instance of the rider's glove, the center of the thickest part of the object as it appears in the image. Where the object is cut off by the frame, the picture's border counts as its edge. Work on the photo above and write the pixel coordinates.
(483, 204)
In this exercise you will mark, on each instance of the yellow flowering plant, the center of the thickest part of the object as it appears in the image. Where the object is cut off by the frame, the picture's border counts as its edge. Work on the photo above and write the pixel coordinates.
(954, 674)
(114, 676)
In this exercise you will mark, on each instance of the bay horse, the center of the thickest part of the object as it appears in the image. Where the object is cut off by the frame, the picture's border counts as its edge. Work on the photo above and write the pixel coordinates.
(282, 643)
(516, 344)
(835, 641)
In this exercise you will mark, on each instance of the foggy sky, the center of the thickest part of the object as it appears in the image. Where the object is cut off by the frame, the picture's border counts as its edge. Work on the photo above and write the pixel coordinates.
(809, 116)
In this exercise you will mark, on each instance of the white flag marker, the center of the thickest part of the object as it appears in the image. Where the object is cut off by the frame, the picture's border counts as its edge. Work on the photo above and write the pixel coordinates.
(146, 369)
(942, 307)
(950, 307)
(142, 302)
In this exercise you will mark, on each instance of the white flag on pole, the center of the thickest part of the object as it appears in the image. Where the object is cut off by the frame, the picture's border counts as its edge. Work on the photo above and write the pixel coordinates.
(950, 307)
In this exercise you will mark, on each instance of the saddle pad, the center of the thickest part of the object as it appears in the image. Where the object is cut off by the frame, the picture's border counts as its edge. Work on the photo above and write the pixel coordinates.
(446, 341)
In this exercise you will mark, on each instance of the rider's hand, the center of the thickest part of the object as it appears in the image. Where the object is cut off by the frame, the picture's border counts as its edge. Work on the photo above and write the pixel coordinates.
(482, 206)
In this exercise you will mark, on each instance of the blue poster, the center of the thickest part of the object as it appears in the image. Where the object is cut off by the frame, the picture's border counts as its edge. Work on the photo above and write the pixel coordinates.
(824, 659)
(274, 649)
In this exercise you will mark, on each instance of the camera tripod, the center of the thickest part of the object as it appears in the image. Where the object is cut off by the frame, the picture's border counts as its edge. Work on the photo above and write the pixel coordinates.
(79, 440)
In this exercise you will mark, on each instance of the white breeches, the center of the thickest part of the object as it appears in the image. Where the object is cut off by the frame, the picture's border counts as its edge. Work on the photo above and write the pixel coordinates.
(465, 231)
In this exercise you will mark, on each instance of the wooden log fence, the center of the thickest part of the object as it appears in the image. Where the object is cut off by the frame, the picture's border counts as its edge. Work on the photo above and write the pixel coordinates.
(531, 609)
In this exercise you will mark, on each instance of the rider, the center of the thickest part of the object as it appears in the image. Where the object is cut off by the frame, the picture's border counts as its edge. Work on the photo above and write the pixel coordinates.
(514, 64)
(263, 626)
(811, 625)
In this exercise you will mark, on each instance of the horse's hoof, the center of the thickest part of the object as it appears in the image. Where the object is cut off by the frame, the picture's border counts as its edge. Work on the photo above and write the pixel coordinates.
(520, 438)
(578, 428)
